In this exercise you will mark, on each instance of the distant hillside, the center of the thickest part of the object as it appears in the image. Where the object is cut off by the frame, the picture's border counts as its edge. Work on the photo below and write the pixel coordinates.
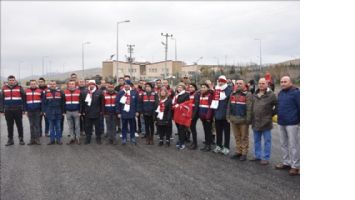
(62, 76)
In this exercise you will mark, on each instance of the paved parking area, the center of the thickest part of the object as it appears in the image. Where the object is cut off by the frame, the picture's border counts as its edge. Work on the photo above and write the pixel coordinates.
(136, 172)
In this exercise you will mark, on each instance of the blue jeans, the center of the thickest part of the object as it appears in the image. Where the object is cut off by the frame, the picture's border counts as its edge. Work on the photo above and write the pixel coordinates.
(54, 127)
(267, 144)
(132, 129)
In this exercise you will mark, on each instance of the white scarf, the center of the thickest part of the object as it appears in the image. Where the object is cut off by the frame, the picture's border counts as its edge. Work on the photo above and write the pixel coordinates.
(176, 96)
(222, 96)
(123, 100)
(88, 98)
(160, 114)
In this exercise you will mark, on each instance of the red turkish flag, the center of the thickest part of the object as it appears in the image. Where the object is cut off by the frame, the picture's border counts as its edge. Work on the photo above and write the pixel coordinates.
(183, 114)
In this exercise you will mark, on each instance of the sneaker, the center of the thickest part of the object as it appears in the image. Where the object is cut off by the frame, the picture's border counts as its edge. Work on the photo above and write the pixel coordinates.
(206, 148)
(193, 146)
(236, 156)
(243, 158)
(264, 162)
(124, 142)
(225, 151)
(167, 143)
(9, 142)
(51, 143)
(120, 135)
(72, 141)
(217, 150)
(255, 159)
(161, 143)
(32, 142)
(294, 172)
(21, 142)
(177, 145)
(282, 166)
(136, 134)
(37, 141)
(181, 147)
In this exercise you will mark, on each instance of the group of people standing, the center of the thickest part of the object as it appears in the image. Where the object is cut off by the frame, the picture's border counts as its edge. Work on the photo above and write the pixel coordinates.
(144, 107)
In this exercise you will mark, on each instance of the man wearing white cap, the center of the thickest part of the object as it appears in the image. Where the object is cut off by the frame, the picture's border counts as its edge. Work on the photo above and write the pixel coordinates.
(220, 103)
(92, 111)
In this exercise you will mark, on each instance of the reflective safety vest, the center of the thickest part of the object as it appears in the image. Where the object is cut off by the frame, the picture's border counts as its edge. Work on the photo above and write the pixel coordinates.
(12, 96)
(33, 99)
(204, 101)
(147, 98)
(238, 105)
(110, 102)
(50, 96)
(204, 111)
(72, 100)
(53, 104)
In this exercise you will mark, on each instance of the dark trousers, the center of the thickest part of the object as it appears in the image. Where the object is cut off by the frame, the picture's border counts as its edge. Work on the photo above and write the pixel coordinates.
(132, 124)
(164, 130)
(89, 123)
(223, 128)
(82, 125)
(193, 130)
(140, 123)
(35, 123)
(14, 116)
(46, 124)
(102, 124)
(149, 125)
(110, 126)
(207, 128)
(62, 123)
(182, 131)
(118, 123)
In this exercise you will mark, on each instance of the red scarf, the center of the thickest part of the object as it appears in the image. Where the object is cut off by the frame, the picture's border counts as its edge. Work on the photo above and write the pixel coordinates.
(217, 94)
(162, 105)
(128, 100)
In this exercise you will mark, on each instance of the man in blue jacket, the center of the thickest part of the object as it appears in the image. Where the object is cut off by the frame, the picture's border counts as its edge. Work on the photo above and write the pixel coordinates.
(289, 125)
(53, 106)
(219, 104)
(127, 109)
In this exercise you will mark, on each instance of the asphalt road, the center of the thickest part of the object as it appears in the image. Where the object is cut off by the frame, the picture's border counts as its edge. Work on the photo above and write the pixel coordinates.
(136, 172)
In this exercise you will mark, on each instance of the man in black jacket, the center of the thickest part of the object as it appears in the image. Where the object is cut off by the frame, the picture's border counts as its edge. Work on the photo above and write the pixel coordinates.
(92, 112)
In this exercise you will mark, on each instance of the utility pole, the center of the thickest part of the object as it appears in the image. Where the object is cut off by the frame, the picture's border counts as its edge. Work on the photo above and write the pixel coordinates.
(130, 59)
(166, 35)
(260, 53)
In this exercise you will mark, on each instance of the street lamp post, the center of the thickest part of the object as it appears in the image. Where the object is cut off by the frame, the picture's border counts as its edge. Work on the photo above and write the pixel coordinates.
(117, 23)
(260, 53)
(82, 57)
(166, 35)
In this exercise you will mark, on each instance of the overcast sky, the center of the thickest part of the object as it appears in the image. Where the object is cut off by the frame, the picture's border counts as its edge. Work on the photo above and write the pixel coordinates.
(217, 31)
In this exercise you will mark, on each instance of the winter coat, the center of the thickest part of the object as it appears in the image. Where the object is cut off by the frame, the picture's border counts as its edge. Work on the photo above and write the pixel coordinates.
(289, 107)
(133, 104)
(263, 108)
